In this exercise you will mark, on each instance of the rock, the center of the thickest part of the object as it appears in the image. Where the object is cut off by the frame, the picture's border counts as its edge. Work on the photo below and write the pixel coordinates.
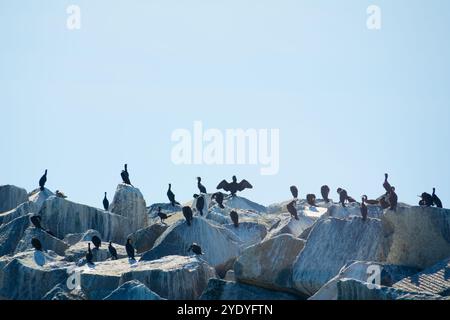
(174, 213)
(220, 246)
(362, 271)
(63, 217)
(21, 210)
(269, 264)
(242, 203)
(332, 244)
(229, 276)
(249, 233)
(434, 280)
(420, 235)
(73, 238)
(61, 292)
(78, 251)
(11, 233)
(48, 241)
(172, 277)
(38, 197)
(129, 202)
(11, 196)
(23, 279)
(133, 290)
(354, 210)
(291, 225)
(144, 239)
(350, 289)
(226, 290)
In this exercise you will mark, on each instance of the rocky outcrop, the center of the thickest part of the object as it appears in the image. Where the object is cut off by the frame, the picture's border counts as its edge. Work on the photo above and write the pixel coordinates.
(144, 239)
(11, 196)
(78, 251)
(61, 292)
(38, 197)
(73, 238)
(420, 235)
(129, 202)
(220, 246)
(226, 290)
(249, 233)
(354, 210)
(133, 290)
(172, 277)
(22, 210)
(11, 233)
(242, 203)
(332, 244)
(269, 264)
(290, 225)
(48, 241)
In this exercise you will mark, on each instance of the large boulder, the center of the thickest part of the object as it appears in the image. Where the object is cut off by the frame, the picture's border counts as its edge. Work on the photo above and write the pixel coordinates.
(129, 202)
(21, 210)
(144, 239)
(269, 264)
(354, 210)
(63, 217)
(242, 203)
(249, 233)
(172, 277)
(290, 225)
(133, 290)
(38, 197)
(78, 251)
(11, 196)
(48, 241)
(11, 233)
(220, 246)
(73, 238)
(420, 235)
(333, 243)
(62, 292)
(226, 290)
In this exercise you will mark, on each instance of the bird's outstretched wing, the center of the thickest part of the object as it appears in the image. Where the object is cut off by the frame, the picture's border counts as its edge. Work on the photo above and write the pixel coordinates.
(224, 185)
(244, 184)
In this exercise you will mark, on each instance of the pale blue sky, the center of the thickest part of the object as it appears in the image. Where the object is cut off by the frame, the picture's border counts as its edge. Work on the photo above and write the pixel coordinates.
(350, 103)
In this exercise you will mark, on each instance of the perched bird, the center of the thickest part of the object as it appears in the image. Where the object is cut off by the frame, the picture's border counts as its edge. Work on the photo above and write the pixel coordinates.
(325, 191)
(187, 213)
(60, 194)
(292, 210)
(171, 196)
(311, 199)
(294, 192)
(200, 203)
(196, 249)
(112, 251)
(125, 175)
(393, 199)
(427, 200)
(342, 196)
(36, 244)
(437, 202)
(218, 196)
(36, 221)
(372, 202)
(162, 215)
(89, 255)
(235, 218)
(105, 203)
(384, 203)
(386, 184)
(96, 241)
(43, 180)
(234, 186)
(130, 249)
(364, 208)
(200, 186)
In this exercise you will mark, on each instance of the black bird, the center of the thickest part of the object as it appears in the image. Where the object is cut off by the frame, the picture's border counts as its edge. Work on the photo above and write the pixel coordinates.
(125, 175)
(43, 180)
(112, 251)
(171, 196)
(393, 199)
(235, 218)
(437, 202)
(200, 186)
(292, 209)
(372, 202)
(187, 213)
(200, 203)
(162, 215)
(325, 191)
(60, 194)
(218, 196)
(196, 249)
(105, 203)
(89, 255)
(294, 192)
(96, 241)
(130, 249)
(386, 185)
(384, 203)
(427, 200)
(364, 208)
(36, 244)
(234, 186)
(342, 196)
(311, 199)
(36, 221)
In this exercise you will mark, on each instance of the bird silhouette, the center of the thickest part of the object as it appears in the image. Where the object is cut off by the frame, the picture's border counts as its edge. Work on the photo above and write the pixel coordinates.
(235, 218)
(311, 199)
(218, 196)
(43, 180)
(60, 194)
(437, 202)
(171, 196)
(363, 208)
(294, 192)
(325, 191)
(162, 215)
(200, 203)
(233, 187)
(96, 241)
(36, 244)
(105, 203)
(112, 251)
(196, 249)
(292, 209)
(200, 186)
(125, 175)
(130, 249)
(187, 213)
(89, 255)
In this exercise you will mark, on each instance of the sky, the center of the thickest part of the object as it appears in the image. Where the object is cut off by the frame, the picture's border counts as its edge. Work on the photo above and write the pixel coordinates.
(350, 103)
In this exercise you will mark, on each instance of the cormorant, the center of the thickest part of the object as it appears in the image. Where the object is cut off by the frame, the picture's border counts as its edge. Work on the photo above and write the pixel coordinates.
(386, 185)
(292, 209)
(171, 196)
(342, 196)
(112, 251)
(130, 249)
(196, 249)
(427, 200)
(89, 255)
(43, 180)
(234, 186)
(96, 241)
(218, 196)
(200, 203)
(235, 218)
(393, 199)
(437, 202)
(125, 175)
(294, 192)
(372, 202)
(200, 186)
(36, 221)
(364, 208)
(36, 244)
(162, 215)
(311, 199)
(325, 191)
(105, 203)
(384, 203)
(60, 194)
(187, 213)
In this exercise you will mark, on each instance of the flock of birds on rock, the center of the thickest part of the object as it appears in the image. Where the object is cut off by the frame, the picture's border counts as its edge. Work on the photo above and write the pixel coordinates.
(389, 200)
